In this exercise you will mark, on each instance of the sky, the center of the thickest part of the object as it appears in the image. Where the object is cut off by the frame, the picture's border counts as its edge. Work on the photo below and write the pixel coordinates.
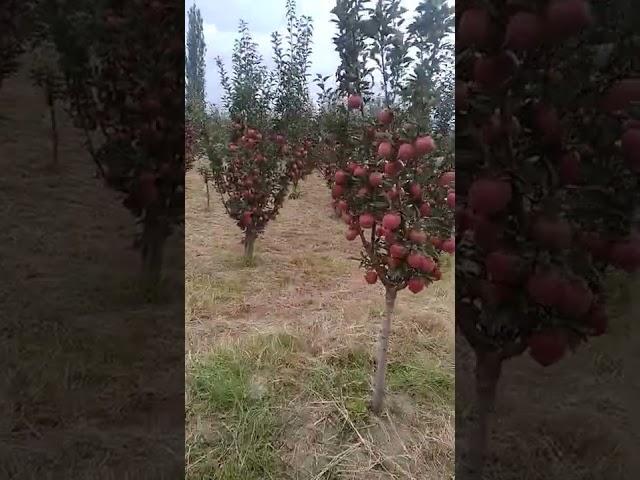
(220, 24)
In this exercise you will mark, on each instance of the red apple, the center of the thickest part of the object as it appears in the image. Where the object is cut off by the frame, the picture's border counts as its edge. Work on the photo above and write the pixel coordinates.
(554, 234)
(545, 288)
(489, 196)
(354, 101)
(451, 199)
(569, 169)
(371, 277)
(474, 28)
(366, 220)
(503, 267)
(385, 150)
(416, 284)
(341, 177)
(397, 251)
(547, 347)
(337, 191)
(385, 117)
(406, 152)
(416, 236)
(391, 221)
(575, 300)
(375, 179)
(524, 31)
(425, 210)
(449, 245)
(424, 145)
(352, 234)
(447, 179)
(568, 17)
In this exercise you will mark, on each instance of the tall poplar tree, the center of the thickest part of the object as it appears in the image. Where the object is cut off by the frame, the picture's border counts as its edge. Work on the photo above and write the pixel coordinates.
(195, 65)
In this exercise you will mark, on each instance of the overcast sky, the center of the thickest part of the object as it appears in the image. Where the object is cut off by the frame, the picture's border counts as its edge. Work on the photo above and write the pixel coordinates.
(221, 18)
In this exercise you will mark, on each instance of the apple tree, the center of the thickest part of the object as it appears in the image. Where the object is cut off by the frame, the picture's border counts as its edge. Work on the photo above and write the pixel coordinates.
(250, 168)
(547, 163)
(391, 183)
(125, 90)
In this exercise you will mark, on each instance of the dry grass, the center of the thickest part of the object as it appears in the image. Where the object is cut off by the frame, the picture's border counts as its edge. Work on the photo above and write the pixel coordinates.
(279, 355)
(76, 392)
(576, 420)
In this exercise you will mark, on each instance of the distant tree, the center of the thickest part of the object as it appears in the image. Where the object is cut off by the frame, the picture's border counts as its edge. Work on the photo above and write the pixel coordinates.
(195, 66)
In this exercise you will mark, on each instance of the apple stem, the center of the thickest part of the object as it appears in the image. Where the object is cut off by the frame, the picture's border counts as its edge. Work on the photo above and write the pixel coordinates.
(488, 370)
(381, 358)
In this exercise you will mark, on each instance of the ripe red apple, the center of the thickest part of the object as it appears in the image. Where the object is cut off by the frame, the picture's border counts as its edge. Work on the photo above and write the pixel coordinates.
(416, 191)
(474, 28)
(354, 101)
(416, 284)
(352, 234)
(424, 145)
(491, 72)
(447, 179)
(385, 150)
(425, 210)
(341, 177)
(371, 277)
(503, 267)
(449, 245)
(569, 169)
(547, 347)
(631, 148)
(451, 199)
(406, 152)
(489, 196)
(397, 251)
(568, 17)
(575, 300)
(360, 171)
(391, 221)
(545, 288)
(375, 179)
(342, 205)
(414, 260)
(337, 191)
(393, 168)
(385, 117)
(524, 31)
(428, 265)
(366, 220)
(416, 236)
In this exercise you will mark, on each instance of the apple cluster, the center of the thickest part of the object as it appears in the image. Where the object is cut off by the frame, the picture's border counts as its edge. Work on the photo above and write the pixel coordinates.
(388, 188)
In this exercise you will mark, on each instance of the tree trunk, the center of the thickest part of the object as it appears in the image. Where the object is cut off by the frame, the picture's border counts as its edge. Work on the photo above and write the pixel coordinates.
(54, 129)
(208, 198)
(153, 241)
(488, 370)
(249, 242)
(381, 358)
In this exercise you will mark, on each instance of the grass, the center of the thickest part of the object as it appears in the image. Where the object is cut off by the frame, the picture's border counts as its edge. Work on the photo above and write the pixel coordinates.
(245, 397)
(280, 356)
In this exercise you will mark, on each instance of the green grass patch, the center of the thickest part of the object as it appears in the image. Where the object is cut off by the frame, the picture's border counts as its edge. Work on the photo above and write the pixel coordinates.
(243, 447)
(205, 291)
(424, 378)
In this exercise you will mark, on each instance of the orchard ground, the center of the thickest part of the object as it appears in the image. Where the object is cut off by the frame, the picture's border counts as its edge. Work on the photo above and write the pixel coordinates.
(279, 361)
(80, 351)
(280, 354)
